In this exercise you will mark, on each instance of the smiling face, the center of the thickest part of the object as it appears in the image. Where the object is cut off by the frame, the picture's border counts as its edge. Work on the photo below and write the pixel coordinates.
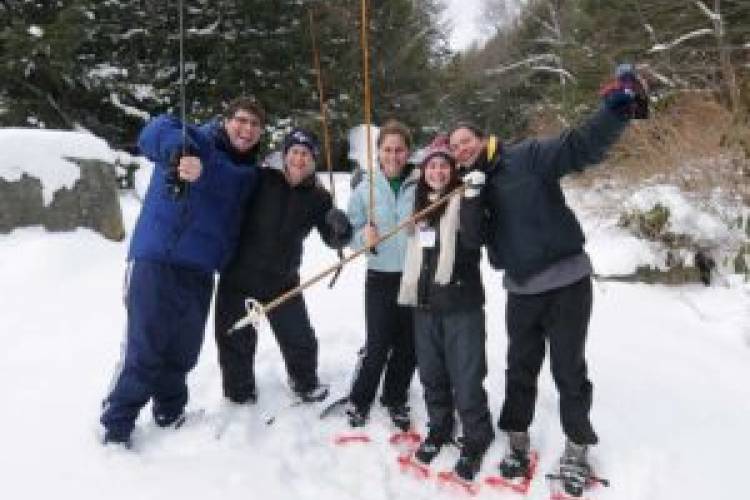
(243, 129)
(437, 172)
(465, 146)
(392, 155)
(299, 164)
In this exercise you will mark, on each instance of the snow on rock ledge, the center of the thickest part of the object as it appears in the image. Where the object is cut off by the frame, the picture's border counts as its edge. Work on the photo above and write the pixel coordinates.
(61, 180)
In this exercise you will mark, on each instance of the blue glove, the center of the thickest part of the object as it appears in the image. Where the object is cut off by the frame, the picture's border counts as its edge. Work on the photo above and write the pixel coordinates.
(626, 94)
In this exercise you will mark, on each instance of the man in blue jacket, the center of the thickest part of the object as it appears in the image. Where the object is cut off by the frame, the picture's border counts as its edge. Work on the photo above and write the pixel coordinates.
(186, 231)
(537, 240)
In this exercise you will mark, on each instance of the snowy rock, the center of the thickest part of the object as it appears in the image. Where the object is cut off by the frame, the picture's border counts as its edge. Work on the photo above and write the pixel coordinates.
(60, 180)
(92, 203)
(694, 235)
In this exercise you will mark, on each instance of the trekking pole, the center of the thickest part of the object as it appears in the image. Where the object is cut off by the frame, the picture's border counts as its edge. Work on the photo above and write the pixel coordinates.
(178, 187)
(182, 78)
(256, 311)
(323, 106)
(368, 115)
(326, 136)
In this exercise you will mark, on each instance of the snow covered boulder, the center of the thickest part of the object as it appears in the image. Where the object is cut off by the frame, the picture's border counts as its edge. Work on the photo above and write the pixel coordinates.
(60, 180)
(693, 236)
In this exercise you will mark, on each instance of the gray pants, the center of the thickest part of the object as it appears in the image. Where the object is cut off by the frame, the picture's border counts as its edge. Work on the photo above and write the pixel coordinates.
(452, 367)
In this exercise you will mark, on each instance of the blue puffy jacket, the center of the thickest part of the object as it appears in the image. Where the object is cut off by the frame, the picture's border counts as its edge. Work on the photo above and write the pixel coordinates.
(198, 230)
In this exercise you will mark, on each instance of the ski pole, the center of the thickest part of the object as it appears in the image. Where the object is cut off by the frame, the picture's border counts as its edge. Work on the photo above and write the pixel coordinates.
(326, 135)
(180, 187)
(256, 310)
(367, 98)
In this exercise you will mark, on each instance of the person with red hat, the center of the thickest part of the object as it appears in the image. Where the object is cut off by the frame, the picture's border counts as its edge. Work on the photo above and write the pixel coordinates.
(442, 282)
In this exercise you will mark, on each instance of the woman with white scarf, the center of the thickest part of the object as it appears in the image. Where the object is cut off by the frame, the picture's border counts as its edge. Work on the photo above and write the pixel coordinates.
(441, 280)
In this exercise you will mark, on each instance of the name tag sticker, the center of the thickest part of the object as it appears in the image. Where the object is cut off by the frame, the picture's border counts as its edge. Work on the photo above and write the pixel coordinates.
(426, 237)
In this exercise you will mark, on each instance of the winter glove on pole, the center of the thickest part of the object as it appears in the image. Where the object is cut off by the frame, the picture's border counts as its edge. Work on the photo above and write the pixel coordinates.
(177, 186)
(474, 182)
(626, 94)
(341, 229)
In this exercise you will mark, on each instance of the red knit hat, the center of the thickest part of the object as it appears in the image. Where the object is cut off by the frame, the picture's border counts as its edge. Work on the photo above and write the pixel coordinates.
(438, 147)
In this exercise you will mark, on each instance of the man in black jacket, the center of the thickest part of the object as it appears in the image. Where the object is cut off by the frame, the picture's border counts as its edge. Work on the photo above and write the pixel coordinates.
(537, 240)
(287, 205)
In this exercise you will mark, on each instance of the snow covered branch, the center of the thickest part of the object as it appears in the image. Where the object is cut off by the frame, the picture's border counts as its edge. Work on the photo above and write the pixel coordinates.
(526, 62)
(660, 47)
(713, 16)
(564, 73)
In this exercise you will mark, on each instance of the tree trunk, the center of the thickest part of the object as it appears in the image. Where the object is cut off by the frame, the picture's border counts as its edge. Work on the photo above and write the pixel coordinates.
(727, 69)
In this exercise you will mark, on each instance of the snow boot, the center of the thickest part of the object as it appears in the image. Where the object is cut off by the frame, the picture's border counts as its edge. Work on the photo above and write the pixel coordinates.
(170, 420)
(430, 447)
(357, 417)
(243, 397)
(314, 394)
(469, 463)
(516, 461)
(400, 417)
(574, 468)
(117, 439)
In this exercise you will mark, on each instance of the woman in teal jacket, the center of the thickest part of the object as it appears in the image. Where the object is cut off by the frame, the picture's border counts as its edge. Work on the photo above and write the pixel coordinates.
(389, 341)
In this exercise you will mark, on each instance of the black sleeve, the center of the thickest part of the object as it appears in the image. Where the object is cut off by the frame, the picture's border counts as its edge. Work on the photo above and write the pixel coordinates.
(471, 222)
(576, 148)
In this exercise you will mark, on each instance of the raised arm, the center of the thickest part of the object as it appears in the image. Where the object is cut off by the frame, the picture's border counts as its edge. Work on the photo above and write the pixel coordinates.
(623, 98)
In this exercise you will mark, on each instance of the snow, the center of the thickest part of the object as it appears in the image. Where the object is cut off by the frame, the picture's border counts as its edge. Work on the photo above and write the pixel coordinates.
(660, 47)
(670, 367)
(44, 155)
(713, 16)
(128, 110)
(358, 145)
(684, 216)
(107, 71)
(35, 31)
(208, 30)
(144, 91)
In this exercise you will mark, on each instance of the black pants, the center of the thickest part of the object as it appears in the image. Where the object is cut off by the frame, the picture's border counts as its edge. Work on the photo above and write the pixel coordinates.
(560, 317)
(389, 344)
(291, 327)
(452, 367)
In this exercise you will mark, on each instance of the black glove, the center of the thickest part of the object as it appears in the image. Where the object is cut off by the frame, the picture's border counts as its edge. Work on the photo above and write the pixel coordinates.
(626, 93)
(341, 228)
(176, 186)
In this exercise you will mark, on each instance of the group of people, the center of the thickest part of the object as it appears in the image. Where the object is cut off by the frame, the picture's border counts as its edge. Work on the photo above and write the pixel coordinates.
(209, 208)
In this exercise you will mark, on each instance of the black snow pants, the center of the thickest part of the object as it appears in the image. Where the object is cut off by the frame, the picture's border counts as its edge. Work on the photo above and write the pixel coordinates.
(291, 327)
(560, 317)
(389, 344)
(452, 367)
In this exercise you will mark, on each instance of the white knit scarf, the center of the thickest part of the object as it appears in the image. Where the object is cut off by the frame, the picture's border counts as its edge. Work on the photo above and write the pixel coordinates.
(407, 294)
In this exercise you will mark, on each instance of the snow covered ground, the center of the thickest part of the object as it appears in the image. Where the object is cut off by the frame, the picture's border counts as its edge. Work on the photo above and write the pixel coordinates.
(670, 368)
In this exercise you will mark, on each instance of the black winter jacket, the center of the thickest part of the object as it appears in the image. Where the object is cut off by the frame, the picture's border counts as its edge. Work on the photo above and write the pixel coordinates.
(276, 222)
(530, 226)
(465, 290)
